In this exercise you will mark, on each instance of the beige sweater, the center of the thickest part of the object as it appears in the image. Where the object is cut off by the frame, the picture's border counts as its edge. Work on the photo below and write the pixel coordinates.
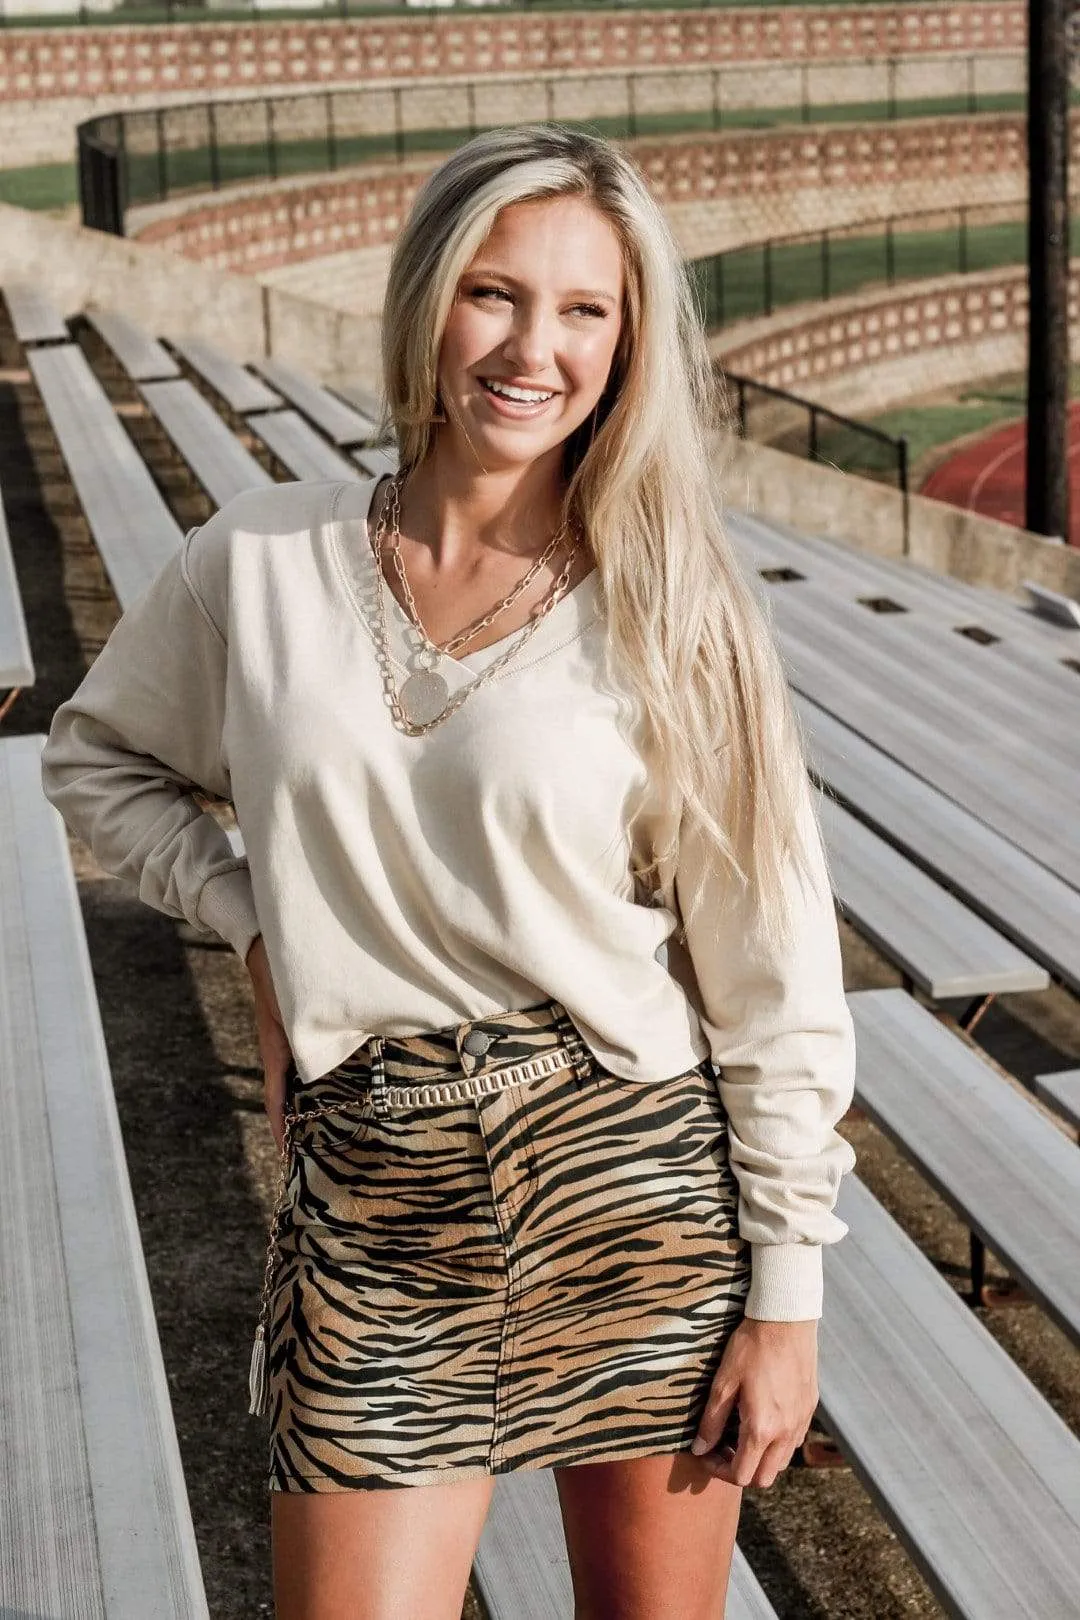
(405, 883)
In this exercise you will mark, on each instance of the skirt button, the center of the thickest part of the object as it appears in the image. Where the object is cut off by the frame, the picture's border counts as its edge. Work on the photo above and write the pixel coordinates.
(477, 1042)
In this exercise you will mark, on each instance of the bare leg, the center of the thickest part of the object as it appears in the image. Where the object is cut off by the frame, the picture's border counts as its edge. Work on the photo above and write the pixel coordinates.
(400, 1554)
(652, 1536)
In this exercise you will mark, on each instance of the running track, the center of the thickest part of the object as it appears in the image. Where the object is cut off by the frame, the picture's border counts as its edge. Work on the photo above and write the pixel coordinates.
(989, 476)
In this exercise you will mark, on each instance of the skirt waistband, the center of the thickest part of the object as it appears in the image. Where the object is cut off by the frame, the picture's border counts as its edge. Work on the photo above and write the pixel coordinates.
(459, 1061)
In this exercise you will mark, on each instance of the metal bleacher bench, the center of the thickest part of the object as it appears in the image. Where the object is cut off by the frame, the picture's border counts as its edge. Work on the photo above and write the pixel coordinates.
(1053, 605)
(966, 1459)
(340, 423)
(226, 377)
(521, 1565)
(33, 317)
(377, 460)
(95, 1522)
(16, 661)
(301, 451)
(357, 393)
(1014, 892)
(1061, 1092)
(1010, 1174)
(129, 521)
(938, 944)
(142, 356)
(214, 454)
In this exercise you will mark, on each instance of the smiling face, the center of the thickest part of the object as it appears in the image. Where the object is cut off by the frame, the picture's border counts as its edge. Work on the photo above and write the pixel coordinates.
(531, 335)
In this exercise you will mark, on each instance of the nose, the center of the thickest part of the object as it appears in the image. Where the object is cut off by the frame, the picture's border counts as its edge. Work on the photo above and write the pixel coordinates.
(528, 344)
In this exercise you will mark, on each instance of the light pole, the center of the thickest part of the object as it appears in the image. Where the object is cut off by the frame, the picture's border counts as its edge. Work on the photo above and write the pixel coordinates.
(1047, 499)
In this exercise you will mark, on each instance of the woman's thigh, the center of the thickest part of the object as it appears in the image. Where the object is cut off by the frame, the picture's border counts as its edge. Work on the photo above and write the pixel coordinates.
(647, 1537)
(398, 1554)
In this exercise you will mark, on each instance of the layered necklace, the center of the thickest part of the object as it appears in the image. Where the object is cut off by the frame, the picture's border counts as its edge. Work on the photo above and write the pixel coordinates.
(424, 700)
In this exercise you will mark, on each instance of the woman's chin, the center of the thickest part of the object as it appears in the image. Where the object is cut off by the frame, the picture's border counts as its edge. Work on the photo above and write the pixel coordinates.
(501, 446)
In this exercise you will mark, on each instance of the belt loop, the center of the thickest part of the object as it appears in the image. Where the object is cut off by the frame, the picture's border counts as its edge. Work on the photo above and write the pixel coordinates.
(581, 1054)
(378, 1077)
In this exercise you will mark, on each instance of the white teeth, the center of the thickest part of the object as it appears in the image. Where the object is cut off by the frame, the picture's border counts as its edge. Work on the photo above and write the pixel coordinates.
(525, 396)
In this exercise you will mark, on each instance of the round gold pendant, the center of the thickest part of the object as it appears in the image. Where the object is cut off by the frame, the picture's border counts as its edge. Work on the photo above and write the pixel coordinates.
(424, 696)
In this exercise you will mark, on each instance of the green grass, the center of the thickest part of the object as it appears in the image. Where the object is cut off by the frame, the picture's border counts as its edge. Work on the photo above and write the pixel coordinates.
(925, 427)
(193, 169)
(46, 185)
(977, 408)
(735, 289)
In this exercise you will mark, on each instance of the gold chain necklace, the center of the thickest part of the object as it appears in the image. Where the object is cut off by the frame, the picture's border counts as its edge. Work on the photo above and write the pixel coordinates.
(424, 701)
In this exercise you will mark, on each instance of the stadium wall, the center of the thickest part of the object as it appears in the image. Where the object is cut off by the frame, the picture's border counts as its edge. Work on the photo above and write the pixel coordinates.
(862, 354)
(52, 79)
(719, 192)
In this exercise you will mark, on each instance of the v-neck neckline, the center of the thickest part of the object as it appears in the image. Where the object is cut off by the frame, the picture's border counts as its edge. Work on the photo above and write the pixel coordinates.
(576, 606)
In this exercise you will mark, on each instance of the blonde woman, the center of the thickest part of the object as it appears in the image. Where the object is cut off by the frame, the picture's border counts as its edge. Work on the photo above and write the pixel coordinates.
(545, 965)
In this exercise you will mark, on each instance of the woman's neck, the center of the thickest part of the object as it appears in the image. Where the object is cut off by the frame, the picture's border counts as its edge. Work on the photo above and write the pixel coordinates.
(460, 514)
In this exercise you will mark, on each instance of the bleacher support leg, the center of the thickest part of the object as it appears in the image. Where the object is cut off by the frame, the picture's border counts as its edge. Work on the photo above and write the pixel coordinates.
(990, 1294)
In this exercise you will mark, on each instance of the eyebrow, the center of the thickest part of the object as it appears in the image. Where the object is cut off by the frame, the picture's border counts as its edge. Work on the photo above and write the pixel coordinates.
(570, 292)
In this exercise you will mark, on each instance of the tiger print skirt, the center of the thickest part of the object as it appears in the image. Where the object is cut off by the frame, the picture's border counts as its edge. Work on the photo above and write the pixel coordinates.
(490, 1253)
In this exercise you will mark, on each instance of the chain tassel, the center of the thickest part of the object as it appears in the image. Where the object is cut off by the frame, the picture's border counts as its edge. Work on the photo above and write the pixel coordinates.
(258, 1382)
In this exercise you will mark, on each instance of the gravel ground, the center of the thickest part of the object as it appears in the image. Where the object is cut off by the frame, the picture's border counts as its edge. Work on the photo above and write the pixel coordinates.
(181, 1043)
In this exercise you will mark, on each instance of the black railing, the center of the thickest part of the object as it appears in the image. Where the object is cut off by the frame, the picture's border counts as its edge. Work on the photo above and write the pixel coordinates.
(802, 427)
(816, 266)
(210, 144)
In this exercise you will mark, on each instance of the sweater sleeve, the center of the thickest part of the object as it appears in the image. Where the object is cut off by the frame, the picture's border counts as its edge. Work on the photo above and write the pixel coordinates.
(782, 1036)
(127, 749)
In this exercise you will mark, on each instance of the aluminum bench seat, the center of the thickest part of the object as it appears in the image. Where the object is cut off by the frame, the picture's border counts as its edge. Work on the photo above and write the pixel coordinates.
(959, 751)
(936, 941)
(377, 460)
(141, 356)
(95, 1522)
(357, 393)
(1059, 609)
(226, 377)
(34, 318)
(16, 659)
(303, 453)
(1012, 890)
(1009, 1173)
(214, 454)
(969, 1463)
(1061, 1091)
(128, 519)
(342, 424)
(938, 597)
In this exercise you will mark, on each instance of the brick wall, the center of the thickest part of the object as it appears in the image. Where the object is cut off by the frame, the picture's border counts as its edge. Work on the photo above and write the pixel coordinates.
(864, 353)
(719, 191)
(42, 131)
(201, 59)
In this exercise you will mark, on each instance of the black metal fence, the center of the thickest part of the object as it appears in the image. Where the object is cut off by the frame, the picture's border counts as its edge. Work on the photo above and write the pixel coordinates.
(205, 145)
(819, 265)
(801, 427)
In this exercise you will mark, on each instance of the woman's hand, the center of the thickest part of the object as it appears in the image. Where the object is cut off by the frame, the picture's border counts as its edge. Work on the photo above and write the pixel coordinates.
(769, 1370)
(274, 1049)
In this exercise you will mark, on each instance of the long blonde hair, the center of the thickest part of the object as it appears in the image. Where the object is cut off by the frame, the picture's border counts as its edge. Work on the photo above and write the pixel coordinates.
(685, 627)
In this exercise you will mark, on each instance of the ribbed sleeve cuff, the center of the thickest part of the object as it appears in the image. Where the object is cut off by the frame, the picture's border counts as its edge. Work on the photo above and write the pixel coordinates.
(227, 905)
(786, 1283)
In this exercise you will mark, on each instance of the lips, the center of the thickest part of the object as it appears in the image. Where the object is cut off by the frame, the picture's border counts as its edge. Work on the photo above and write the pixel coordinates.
(522, 388)
(515, 407)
